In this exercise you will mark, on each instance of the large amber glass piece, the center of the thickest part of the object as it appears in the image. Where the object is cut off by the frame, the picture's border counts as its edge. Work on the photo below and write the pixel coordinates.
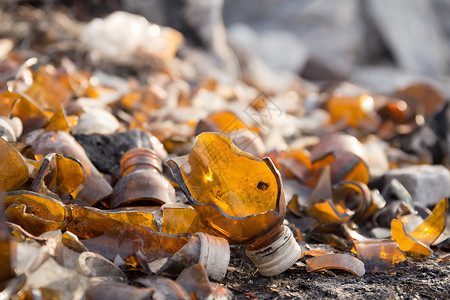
(14, 169)
(345, 155)
(238, 195)
(382, 255)
(228, 187)
(95, 187)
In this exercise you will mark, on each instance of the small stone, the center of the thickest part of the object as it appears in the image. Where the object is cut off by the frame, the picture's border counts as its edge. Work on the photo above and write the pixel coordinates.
(427, 184)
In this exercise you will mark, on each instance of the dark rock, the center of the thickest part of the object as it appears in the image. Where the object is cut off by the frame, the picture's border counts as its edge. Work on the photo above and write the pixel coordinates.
(105, 151)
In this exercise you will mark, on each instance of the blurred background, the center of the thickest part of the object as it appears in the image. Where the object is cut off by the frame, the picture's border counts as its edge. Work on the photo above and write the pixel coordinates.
(377, 44)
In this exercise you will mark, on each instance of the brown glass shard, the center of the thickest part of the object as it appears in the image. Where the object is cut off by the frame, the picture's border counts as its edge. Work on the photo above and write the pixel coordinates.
(328, 212)
(432, 227)
(48, 89)
(58, 176)
(95, 187)
(345, 155)
(58, 121)
(336, 261)
(222, 121)
(14, 169)
(382, 255)
(211, 177)
(126, 239)
(356, 197)
(29, 112)
(406, 242)
(195, 281)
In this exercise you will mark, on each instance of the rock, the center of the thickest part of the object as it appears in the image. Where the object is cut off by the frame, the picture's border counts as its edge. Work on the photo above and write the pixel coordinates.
(333, 32)
(427, 184)
(279, 49)
(105, 151)
(96, 120)
(122, 36)
(405, 25)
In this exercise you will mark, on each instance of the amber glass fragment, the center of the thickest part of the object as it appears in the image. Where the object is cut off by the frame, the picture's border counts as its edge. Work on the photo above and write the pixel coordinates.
(58, 121)
(432, 227)
(7, 100)
(239, 196)
(30, 222)
(31, 113)
(58, 174)
(178, 218)
(344, 262)
(422, 97)
(298, 164)
(14, 169)
(328, 212)
(39, 205)
(34, 212)
(323, 189)
(345, 155)
(314, 253)
(354, 109)
(356, 197)
(382, 255)
(406, 242)
(142, 182)
(126, 239)
(223, 122)
(88, 222)
(48, 89)
(95, 187)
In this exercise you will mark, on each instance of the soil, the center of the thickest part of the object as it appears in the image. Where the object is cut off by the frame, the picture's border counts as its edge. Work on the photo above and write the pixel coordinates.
(429, 279)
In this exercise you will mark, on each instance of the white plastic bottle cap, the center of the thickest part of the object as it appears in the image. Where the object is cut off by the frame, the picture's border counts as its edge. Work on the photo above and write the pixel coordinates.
(278, 256)
(214, 254)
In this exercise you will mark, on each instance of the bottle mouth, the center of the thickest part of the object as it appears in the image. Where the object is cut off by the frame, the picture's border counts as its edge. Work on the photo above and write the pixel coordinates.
(214, 254)
(139, 156)
(277, 257)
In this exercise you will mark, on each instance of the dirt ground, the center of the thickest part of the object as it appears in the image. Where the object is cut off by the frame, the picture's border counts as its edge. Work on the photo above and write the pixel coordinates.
(429, 279)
